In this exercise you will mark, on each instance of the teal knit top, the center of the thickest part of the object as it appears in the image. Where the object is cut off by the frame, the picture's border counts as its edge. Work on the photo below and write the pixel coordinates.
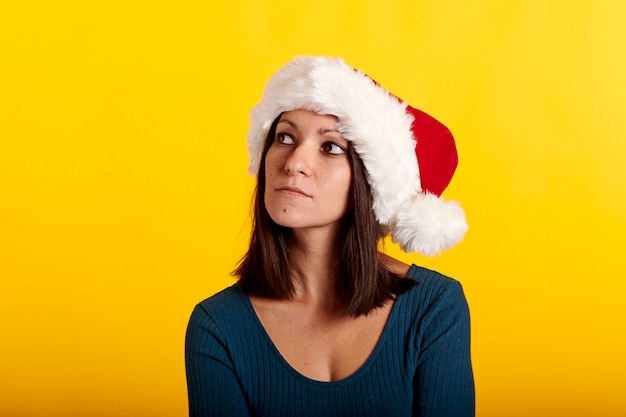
(420, 366)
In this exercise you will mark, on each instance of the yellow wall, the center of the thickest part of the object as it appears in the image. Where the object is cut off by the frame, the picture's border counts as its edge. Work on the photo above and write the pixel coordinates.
(124, 197)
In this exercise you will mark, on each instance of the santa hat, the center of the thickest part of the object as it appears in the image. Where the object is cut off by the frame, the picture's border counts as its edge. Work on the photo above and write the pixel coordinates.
(409, 156)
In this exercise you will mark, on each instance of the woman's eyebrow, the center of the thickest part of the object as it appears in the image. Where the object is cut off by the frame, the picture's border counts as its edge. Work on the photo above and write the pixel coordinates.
(321, 131)
(289, 122)
(324, 130)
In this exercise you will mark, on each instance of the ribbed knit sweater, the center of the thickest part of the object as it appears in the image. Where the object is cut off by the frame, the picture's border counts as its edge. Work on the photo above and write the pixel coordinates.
(420, 366)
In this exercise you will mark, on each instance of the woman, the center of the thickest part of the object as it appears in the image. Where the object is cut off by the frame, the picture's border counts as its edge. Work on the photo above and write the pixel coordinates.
(320, 323)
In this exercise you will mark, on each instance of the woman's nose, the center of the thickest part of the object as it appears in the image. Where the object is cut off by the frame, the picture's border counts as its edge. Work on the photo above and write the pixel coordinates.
(299, 161)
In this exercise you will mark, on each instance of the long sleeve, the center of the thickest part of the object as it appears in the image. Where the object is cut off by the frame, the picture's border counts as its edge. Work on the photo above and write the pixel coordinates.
(443, 384)
(213, 388)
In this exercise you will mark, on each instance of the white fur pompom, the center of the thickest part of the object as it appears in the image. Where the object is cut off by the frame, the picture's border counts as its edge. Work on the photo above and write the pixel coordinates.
(428, 224)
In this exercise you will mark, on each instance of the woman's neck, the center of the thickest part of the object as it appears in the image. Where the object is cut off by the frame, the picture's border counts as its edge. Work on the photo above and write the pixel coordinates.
(316, 259)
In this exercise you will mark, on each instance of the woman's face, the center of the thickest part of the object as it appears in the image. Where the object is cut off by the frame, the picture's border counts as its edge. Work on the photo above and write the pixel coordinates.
(308, 172)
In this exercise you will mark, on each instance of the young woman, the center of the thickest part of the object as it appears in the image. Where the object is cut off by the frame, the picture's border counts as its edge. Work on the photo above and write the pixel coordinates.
(320, 323)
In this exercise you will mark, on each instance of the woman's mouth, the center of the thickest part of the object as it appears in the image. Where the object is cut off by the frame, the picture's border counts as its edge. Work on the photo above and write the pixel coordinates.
(295, 191)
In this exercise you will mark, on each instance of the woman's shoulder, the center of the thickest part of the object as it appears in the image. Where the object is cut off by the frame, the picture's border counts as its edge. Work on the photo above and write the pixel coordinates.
(433, 288)
(223, 316)
(429, 277)
(413, 271)
(224, 303)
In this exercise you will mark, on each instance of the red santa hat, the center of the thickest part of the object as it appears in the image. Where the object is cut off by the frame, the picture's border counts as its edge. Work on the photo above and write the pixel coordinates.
(409, 156)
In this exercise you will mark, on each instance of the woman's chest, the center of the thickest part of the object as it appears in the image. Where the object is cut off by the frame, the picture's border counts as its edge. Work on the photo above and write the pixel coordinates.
(321, 347)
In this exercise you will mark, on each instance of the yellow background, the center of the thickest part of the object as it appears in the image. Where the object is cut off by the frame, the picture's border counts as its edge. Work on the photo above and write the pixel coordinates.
(124, 197)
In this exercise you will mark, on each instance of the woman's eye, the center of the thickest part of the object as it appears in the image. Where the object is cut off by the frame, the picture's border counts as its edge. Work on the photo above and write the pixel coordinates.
(333, 148)
(284, 139)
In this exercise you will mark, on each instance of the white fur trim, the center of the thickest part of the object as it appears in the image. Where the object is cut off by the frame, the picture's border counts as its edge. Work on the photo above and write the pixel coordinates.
(428, 224)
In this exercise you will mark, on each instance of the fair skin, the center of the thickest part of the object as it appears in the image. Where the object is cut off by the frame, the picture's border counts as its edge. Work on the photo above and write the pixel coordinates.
(308, 188)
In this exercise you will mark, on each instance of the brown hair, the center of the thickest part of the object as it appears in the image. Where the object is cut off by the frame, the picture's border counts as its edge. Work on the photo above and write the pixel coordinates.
(266, 269)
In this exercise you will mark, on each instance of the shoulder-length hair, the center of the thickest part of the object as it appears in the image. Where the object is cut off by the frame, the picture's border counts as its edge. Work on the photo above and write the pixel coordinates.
(365, 283)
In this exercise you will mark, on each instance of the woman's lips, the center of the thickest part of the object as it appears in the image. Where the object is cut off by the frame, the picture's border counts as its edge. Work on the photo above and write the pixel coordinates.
(293, 191)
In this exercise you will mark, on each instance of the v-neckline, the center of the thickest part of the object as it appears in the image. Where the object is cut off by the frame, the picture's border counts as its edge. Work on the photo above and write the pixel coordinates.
(391, 319)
